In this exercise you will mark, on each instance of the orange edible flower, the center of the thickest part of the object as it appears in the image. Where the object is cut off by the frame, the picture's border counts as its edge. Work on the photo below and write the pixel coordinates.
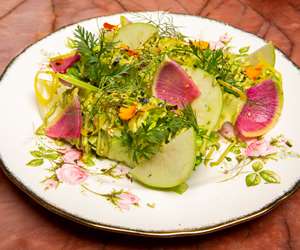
(109, 26)
(253, 72)
(131, 52)
(126, 113)
(123, 46)
(201, 44)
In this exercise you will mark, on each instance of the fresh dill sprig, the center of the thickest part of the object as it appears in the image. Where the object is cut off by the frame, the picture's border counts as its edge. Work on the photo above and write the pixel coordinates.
(97, 59)
(85, 42)
(164, 24)
(190, 117)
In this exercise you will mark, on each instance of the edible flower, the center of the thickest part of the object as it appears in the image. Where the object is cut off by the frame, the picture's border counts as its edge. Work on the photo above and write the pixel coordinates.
(215, 45)
(225, 38)
(129, 51)
(201, 44)
(123, 46)
(126, 113)
(109, 26)
(253, 72)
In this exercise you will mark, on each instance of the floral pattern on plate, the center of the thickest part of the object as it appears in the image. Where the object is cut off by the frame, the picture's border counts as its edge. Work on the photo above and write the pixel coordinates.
(69, 166)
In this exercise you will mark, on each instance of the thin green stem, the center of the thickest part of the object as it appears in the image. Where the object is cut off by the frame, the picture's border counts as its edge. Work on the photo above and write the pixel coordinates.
(240, 93)
(77, 82)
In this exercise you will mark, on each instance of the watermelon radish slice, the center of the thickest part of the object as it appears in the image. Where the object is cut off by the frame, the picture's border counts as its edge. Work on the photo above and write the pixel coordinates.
(68, 124)
(262, 109)
(173, 85)
(61, 65)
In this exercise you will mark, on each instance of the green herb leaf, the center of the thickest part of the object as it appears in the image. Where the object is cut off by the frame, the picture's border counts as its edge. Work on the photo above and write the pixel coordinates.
(270, 176)
(257, 166)
(35, 162)
(252, 179)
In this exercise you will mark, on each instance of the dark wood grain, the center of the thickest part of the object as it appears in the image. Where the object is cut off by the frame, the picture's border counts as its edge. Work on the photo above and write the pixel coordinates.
(24, 225)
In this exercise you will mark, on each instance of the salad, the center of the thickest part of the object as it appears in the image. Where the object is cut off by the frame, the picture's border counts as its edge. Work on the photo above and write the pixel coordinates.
(143, 94)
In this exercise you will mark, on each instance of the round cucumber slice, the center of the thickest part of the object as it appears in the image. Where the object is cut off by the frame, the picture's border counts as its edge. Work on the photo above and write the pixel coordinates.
(208, 105)
(134, 35)
(172, 165)
(265, 54)
(118, 152)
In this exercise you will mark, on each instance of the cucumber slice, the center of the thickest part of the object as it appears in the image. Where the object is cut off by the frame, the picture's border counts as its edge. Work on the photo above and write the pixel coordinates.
(134, 35)
(172, 165)
(208, 105)
(232, 107)
(124, 21)
(265, 54)
(118, 152)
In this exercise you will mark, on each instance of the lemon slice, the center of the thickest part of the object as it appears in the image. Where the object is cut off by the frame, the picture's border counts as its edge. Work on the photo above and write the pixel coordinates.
(45, 87)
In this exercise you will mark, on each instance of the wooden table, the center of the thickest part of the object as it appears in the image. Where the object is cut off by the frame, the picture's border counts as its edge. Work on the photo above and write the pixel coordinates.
(25, 225)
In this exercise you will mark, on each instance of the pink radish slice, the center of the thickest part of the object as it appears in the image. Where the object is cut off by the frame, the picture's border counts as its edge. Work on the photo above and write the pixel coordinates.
(262, 109)
(68, 125)
(61, 65)
(174, 86)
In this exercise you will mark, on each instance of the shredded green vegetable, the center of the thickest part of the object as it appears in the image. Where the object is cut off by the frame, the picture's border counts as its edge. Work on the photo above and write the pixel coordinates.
(122, 115)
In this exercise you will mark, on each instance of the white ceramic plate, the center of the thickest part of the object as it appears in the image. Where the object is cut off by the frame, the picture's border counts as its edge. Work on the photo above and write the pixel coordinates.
(208, 205)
